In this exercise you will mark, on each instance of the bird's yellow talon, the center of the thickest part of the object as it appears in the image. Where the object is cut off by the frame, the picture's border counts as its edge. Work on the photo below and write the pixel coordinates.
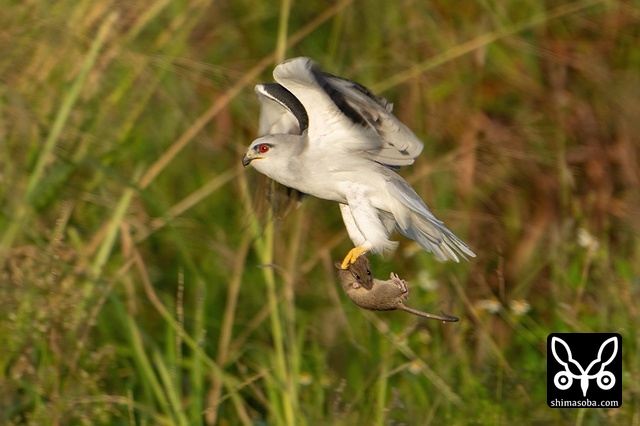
(351, 257)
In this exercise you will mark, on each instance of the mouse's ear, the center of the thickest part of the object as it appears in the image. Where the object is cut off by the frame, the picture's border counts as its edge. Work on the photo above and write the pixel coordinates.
(338, 265)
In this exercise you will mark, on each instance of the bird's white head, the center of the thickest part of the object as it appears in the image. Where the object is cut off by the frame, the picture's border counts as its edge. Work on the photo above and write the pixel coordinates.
(274, 155)
(258, 151)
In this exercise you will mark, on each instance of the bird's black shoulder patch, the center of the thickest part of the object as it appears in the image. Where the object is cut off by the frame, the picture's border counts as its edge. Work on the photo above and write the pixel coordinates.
(285, 98)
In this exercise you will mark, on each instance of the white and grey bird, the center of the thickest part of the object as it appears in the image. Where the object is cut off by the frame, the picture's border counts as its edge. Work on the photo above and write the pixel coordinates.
(334, 139)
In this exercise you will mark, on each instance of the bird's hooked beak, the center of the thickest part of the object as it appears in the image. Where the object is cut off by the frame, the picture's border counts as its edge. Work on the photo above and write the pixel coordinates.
(247, 159)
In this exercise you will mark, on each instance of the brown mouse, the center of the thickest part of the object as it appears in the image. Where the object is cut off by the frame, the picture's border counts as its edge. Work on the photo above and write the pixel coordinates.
(376, 295)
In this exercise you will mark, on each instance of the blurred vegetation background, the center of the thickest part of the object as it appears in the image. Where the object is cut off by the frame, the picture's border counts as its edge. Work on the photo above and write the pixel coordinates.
(144, 280)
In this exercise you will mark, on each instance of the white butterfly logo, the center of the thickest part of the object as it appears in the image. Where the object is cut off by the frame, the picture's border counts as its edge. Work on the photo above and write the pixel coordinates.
(564, 379)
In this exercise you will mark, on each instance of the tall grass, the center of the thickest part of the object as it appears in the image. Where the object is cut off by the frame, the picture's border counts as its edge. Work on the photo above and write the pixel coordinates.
(144, 280)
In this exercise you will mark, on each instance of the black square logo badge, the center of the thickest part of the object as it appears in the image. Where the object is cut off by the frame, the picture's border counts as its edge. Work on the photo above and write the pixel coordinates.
(584, 370)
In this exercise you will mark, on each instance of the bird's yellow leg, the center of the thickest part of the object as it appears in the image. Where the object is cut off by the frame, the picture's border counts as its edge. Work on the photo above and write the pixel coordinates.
(351, 257)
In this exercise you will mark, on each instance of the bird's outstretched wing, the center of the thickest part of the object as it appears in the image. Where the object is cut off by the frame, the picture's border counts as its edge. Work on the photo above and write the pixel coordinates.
(280, 111)
(344, 111)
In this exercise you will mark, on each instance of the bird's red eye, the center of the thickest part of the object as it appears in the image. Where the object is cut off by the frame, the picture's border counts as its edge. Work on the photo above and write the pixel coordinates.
(263, 148)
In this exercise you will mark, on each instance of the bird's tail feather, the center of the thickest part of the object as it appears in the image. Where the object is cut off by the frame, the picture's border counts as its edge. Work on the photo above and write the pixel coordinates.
(433, 236)
(421, 225)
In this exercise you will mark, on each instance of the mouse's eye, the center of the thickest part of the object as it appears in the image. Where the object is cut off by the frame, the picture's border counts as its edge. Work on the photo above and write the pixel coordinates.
(263, 148)
(357, 276)
(368, 272)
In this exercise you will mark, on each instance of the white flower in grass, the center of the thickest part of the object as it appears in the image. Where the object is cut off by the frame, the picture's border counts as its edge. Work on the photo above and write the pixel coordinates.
(519, 307)
(586, 240)
(426, 281)
(492, 305)
(415, 367)
(305, 378)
